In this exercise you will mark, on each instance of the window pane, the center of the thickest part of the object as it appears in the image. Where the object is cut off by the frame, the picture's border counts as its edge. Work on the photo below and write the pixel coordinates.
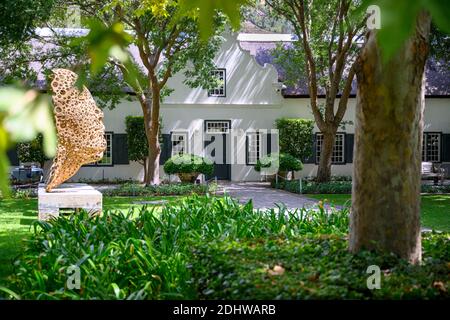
(338, 155)
(253, 147)
(431, 147)
(217, 127)
(107, 155)
(220, 75)
(179, 143)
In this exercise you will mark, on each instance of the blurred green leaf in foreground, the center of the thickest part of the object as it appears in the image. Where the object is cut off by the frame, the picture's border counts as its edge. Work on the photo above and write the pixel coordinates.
(23, 115)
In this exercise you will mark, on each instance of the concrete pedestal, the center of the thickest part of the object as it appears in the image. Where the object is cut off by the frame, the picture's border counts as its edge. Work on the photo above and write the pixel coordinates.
(68, 196)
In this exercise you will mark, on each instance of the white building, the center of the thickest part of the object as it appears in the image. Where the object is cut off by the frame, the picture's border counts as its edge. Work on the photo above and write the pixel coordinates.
(251, 98)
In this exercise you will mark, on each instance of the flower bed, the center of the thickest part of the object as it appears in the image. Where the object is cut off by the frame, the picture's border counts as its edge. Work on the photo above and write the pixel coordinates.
(207, 247)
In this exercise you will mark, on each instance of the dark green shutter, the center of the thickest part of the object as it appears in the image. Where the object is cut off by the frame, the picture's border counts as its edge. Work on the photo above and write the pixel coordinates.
(13, 158)
(246, 150)
(120, 149)
(349, 142)
(166, 148)
(269, 143)
(445, 155)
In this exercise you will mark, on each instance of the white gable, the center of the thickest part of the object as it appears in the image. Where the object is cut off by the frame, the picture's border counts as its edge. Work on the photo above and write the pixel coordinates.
(247, 82)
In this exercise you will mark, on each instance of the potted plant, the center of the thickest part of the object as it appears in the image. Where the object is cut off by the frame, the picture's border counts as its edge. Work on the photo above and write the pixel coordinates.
(283, 161)
(188, 166)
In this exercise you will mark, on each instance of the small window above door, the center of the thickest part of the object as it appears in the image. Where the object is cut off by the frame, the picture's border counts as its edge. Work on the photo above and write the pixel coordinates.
(217, 126)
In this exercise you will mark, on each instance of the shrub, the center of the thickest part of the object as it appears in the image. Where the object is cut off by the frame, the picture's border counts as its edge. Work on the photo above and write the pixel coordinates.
(205, 247)
(188, 163)
(435, 189)
(285, 162)
(136, 138)
(132, 189)
(311, 187)
(32, 151)
(295, 136)
(338, 185)
(148, 257)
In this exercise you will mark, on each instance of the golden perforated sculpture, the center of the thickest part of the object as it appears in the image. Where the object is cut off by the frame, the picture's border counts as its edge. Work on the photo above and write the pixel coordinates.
(80, 129)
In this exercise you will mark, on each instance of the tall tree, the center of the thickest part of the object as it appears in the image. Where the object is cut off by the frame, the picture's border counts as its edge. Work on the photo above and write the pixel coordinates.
(389, 125)
(166, 41)
(19, 17)
(328, 32)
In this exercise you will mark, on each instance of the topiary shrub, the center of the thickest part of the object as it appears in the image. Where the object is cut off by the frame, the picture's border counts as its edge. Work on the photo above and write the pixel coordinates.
(188, 166)
(284, 161)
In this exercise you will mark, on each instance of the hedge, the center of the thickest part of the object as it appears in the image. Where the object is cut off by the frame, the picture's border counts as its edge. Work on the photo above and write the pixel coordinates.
(295, 137)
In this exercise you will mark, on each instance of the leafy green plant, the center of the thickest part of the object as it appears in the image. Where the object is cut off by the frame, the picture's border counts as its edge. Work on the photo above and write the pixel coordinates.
(315, 267)
(32, 151)
(188, 163)
(24, 194)
(134, 189)
(148, 257)
(311, 187)
(137, 139)
(284, 162)
(295, 136)
(435, 189)
(208, 247)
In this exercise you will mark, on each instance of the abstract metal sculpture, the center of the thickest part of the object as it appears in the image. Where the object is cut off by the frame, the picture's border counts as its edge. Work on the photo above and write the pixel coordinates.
(80, 129)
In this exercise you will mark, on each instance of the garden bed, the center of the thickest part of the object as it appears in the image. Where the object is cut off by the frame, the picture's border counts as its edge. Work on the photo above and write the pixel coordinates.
(132, 189)
(338, 186)
(206, 247)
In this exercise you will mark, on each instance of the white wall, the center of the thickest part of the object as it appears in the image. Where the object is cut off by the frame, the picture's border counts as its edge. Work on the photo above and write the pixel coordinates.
(191, 118)
(247, 82)
(252, 102)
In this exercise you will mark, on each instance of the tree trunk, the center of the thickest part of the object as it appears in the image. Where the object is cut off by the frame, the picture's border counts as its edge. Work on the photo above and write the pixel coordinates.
(388, 141)
(145, 169)
(151, 119)
(324, 169)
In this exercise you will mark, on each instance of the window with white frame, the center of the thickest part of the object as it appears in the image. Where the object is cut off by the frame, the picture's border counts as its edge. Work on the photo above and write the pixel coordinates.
(220, 91)
(215, 126)
(179, 143)
(431, 147)
(338, 155)
(253, 146)
(107, 154)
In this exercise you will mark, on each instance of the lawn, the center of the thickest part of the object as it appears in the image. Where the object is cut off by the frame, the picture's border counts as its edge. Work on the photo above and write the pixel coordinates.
(435, 208)
(17, 215)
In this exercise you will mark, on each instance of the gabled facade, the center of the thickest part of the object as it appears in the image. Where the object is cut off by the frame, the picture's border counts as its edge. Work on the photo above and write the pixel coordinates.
(232, 123)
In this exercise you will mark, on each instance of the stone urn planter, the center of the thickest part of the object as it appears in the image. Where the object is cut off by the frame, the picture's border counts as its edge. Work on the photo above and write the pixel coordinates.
(188, 177)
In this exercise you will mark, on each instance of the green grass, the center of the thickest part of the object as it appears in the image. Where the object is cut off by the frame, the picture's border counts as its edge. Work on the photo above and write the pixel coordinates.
(17, 215)
(435, 208)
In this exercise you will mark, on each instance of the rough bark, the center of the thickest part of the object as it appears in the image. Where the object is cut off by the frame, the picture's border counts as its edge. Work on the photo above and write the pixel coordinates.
(324, 168)
(151, 120)
(388, 141)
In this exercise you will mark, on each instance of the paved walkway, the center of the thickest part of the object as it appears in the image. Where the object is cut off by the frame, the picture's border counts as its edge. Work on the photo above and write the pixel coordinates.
(263, 195)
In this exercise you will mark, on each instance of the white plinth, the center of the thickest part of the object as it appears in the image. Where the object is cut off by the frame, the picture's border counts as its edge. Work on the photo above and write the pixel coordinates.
(68, 196)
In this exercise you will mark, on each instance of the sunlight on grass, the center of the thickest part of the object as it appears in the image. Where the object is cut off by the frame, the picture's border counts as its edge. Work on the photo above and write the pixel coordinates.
(435, 209)
(17, 216)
